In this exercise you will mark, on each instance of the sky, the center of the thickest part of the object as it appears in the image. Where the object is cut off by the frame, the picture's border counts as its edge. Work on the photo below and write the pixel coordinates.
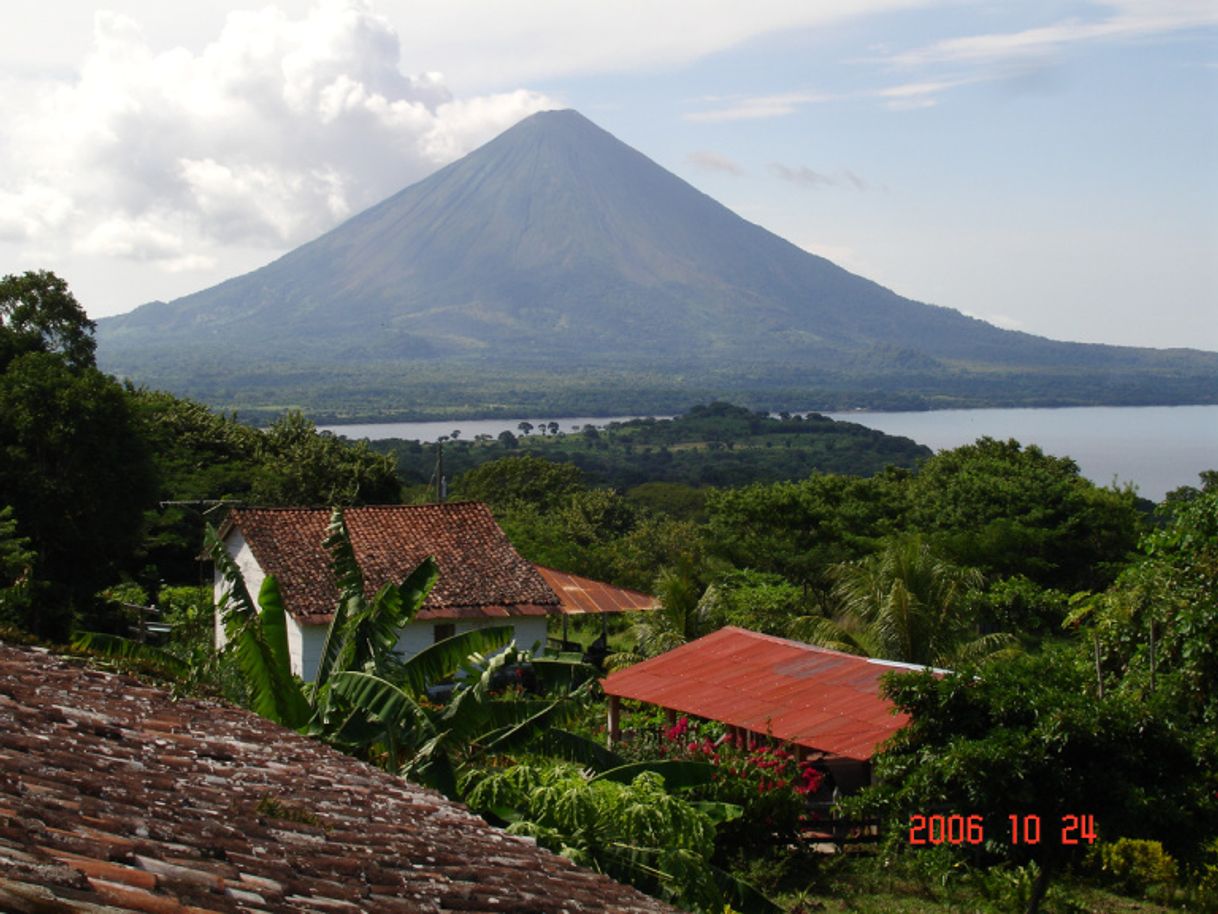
(1047, 166)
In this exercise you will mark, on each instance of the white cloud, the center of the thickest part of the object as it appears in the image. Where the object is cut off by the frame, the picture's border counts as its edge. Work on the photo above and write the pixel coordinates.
(484, 42)
(925, 94)
(1128, 19)
(757, 107)
(270, 134)
(802, 174)
(713, 161)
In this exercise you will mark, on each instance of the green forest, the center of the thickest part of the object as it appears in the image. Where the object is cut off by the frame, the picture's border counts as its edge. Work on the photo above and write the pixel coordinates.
(1078, 622)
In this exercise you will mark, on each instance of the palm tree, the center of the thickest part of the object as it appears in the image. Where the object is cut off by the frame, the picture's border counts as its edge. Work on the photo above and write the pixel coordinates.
(903, 603)
(681, 617)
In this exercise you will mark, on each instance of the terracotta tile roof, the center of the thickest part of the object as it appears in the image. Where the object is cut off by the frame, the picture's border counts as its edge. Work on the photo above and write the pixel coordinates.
(481, 574)
(583, 595)
(116, 798)
(811, 696)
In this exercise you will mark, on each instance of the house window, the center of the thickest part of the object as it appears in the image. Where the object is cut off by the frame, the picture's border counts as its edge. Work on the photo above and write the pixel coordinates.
(444, 630)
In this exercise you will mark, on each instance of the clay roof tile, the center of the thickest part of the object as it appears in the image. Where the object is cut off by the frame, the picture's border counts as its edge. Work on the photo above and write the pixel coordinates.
(136, 801)
(481, 573)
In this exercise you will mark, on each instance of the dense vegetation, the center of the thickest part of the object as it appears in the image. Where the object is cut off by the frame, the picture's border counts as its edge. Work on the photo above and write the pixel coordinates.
(709, 445)
(396, 391)
(1082, 625)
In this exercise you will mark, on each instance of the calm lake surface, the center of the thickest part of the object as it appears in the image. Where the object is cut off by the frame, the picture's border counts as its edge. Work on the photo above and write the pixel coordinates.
(1157, 448)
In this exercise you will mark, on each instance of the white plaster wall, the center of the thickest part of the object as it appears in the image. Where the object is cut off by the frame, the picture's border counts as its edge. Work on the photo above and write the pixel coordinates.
(312, 639)
(241, 553)
(530, 633)
(415, 637)
(294, 641)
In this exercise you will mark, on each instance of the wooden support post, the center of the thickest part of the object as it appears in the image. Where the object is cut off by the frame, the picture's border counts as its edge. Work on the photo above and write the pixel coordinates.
(614, 726)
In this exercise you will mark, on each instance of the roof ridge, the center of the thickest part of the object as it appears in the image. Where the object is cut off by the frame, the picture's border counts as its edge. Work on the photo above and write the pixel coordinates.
(479, 566)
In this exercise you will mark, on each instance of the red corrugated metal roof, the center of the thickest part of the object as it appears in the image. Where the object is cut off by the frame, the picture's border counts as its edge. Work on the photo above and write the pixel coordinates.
(810, 696)
(580, 595)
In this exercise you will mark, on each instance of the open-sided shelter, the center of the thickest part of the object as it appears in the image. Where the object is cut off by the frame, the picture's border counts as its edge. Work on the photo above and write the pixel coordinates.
(824, 702)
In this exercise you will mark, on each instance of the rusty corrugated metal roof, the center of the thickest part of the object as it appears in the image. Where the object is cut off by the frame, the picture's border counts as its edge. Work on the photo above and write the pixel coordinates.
(580, 595)
(811, 696)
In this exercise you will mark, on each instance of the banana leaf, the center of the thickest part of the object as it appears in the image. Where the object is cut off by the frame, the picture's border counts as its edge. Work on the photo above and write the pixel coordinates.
(119, 648)
(676, 774)
(439, 661)
(262, 653)
(564, 744)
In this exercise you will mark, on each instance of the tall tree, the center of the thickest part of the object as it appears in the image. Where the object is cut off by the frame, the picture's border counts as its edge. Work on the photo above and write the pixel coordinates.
(526, 478)
(301, 466)
(39, 314)
(1029, 738)
(16, 571)
(1009, 509)
(798, 529)
(78, 477)
(1158, 624)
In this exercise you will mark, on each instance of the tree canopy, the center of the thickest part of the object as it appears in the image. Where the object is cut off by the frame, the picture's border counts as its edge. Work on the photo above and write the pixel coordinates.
(78, 477)
(1029, 736)
(38, 313)
(1009, 509)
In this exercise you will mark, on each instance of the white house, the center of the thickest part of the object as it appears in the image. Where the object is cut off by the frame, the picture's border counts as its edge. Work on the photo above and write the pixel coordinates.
(483, 581)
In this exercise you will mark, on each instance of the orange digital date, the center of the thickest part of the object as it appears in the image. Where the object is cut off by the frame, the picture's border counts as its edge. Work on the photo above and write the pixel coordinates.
(959, 829)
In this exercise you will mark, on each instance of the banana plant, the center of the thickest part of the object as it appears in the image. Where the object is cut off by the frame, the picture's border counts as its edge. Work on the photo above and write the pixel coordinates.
(368, 701)
(431, 743)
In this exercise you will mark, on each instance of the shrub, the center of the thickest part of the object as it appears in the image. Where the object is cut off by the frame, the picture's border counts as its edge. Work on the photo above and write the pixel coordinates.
(766, 779)
(1133, 865)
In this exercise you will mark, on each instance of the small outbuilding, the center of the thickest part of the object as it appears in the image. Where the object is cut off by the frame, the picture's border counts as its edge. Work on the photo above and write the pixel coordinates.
(483, 581)
(826, 703)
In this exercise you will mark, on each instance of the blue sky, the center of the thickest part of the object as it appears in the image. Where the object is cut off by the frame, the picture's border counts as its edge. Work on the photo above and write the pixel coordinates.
(1047, 166)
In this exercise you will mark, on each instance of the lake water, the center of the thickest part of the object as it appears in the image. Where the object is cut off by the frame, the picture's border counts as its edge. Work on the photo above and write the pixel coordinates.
(1157, 448)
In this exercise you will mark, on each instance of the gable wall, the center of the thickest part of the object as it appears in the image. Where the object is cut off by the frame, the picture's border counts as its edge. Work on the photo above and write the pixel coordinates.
(241, 553)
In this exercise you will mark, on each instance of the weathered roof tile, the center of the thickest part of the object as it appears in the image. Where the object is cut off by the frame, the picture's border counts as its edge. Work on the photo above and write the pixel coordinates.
(480, 572)
(158, 824)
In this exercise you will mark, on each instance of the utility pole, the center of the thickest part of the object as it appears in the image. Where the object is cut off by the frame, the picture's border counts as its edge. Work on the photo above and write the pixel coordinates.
(441, 482)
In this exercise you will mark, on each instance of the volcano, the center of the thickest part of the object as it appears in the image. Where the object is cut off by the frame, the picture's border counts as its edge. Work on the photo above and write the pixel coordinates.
(557, 258)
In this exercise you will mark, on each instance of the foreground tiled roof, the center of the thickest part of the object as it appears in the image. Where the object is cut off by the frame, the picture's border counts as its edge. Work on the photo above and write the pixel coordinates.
(811, 696)
(116, 798)
(481, 574)
(583, 595)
